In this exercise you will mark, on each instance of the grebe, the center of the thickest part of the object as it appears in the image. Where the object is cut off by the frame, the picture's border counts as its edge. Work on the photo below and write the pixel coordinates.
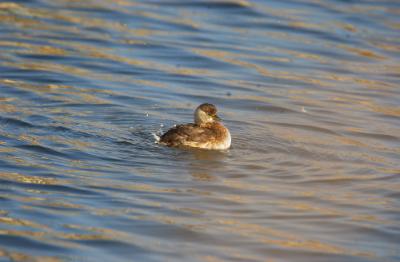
(207, 132)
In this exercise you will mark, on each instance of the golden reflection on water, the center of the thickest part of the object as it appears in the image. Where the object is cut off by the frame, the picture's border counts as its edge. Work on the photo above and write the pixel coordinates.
(318, 154)
(21, 222)
(282, 239)
(18, 256)
(29, 179)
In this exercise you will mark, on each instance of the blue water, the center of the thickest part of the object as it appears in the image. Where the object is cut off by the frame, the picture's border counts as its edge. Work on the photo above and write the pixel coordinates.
(310, 93)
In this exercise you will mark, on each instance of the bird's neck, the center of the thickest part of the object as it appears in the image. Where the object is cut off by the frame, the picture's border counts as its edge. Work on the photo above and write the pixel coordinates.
(209, 124)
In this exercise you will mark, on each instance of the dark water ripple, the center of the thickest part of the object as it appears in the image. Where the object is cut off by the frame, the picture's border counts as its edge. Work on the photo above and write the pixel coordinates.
(309, 90)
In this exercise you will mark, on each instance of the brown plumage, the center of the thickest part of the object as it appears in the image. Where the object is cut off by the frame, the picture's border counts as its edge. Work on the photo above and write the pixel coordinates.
(210, 109)
(207, 132)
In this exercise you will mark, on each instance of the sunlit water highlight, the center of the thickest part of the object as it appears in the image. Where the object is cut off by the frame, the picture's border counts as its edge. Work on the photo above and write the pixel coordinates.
(310, 93)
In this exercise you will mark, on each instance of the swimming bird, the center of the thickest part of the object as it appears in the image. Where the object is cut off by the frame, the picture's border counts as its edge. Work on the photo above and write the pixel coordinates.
(207, 132)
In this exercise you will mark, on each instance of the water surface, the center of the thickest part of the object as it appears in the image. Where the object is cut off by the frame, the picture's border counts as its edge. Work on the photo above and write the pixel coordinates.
(309, 90)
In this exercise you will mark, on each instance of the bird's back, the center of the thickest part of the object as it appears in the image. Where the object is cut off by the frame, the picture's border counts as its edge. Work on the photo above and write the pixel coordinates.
(212, 136)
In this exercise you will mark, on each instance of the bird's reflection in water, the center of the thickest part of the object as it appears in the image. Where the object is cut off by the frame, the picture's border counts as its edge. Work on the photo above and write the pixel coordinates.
(206, 164)
(203, 177)
(212, 156)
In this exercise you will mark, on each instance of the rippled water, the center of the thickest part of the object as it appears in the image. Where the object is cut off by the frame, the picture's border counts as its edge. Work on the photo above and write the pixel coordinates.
(309, 90)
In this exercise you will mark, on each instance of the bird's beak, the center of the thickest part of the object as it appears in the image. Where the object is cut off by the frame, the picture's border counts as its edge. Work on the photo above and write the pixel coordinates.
(215, 117)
